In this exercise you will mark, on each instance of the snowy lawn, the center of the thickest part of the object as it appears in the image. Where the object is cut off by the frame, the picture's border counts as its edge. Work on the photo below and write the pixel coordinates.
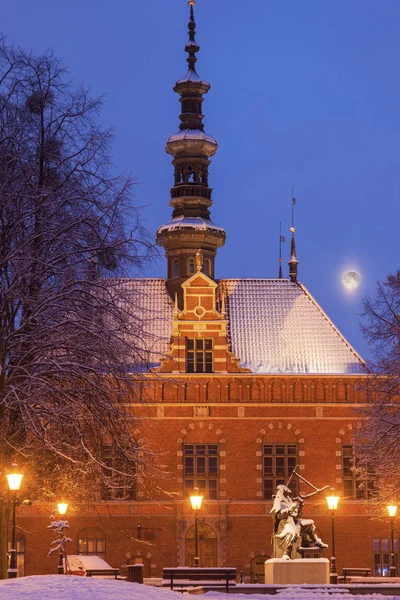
(60, 587)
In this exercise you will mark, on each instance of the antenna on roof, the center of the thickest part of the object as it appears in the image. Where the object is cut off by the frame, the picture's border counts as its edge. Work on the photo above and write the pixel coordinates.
(293, 262)
(292, 229)
(281, 239)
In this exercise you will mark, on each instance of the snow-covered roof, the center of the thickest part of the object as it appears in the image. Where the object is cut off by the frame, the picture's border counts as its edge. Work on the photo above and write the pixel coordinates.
(151, 310)
(192, 134)
(193, 140)
(190, 223)
(274, 326)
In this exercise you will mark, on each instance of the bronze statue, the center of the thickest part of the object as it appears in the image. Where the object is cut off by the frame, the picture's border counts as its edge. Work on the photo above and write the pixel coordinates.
(199, 260)
(290, 529)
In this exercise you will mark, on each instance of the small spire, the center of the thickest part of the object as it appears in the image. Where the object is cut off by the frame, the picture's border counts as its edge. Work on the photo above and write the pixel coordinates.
(293, 262)
(281, 239)
(222, 301)
(191, 47)
(176, 308)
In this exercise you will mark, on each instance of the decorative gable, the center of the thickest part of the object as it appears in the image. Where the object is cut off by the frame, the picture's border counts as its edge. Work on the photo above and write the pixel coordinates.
(199, 299)
(199, 332)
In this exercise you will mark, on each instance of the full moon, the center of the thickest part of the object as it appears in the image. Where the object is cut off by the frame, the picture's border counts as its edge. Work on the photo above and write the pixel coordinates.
(351, 280)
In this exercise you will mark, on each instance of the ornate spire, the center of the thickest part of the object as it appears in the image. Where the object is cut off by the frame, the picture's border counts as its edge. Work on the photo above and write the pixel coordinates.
(281, 239)
(191, 47)
(191, 230)
(293, 262)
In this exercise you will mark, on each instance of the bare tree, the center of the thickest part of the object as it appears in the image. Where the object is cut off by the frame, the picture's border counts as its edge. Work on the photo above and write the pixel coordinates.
(378, 442)
(68, 339)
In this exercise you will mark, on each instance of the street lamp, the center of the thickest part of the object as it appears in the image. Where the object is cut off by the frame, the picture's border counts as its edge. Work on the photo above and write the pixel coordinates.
(14, 483)
(333, 502)
(392, 510)
(196, 501)
(62, 558)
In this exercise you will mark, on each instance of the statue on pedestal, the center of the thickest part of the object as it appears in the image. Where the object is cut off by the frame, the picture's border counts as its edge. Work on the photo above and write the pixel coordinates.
(290, 529)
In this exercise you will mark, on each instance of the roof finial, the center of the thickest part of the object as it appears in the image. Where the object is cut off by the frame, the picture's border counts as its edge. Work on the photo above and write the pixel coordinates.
(191, 47)
(293, 262)
(176, 307)
(281, 239)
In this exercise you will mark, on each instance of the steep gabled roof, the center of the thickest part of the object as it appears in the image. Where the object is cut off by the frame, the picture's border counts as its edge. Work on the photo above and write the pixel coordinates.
(276, 326)
(151, 310)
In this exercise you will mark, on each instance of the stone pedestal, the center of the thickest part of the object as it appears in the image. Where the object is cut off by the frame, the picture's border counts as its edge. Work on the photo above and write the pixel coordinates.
(299, 570)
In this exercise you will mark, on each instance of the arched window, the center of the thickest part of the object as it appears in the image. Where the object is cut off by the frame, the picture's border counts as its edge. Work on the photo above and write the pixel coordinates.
(175, 269)
(207, 267)
(191, 266)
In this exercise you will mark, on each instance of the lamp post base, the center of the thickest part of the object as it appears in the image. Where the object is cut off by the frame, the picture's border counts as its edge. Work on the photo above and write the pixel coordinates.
(13, 571)
(333, 576)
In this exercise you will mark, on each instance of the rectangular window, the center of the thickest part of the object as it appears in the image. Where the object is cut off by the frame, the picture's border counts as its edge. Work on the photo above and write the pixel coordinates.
(199, 355)
(201, 469)
(92, 547)
(382, 555)
(355, 487)
(279, 461)
(116, 485)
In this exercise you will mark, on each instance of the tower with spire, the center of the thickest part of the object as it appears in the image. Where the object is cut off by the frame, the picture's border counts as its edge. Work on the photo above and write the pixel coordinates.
(190, 239)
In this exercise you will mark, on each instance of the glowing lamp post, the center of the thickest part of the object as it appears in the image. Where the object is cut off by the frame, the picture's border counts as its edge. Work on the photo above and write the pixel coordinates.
(62, 558)
(333, 502)
(392, 510)
(196, 501)
(14, 483)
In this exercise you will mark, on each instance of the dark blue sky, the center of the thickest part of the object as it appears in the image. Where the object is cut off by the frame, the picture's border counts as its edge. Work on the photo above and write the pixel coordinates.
(301, 92)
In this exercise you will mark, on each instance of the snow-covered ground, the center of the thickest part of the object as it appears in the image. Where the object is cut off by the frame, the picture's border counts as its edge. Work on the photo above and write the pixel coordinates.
(59, 587)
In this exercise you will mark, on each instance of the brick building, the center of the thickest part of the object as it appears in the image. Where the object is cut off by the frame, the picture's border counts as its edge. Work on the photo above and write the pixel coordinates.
(247, 379)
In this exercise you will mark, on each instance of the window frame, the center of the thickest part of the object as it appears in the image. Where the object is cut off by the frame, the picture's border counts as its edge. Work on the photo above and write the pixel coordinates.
(381, 550)
(354, 487)
(199, 355)
(280, 467)
(201, 469)
(191, 266)
(96, 551)
(113, 482)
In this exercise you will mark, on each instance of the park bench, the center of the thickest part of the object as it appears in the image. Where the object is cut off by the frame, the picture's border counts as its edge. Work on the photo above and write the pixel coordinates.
(353, 572)
(102, 572)
(180, 578)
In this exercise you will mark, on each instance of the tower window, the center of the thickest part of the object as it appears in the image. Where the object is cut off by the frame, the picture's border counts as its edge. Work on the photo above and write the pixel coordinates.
(175, 269)
(191, 266)
(199, 355)
(207, 267)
